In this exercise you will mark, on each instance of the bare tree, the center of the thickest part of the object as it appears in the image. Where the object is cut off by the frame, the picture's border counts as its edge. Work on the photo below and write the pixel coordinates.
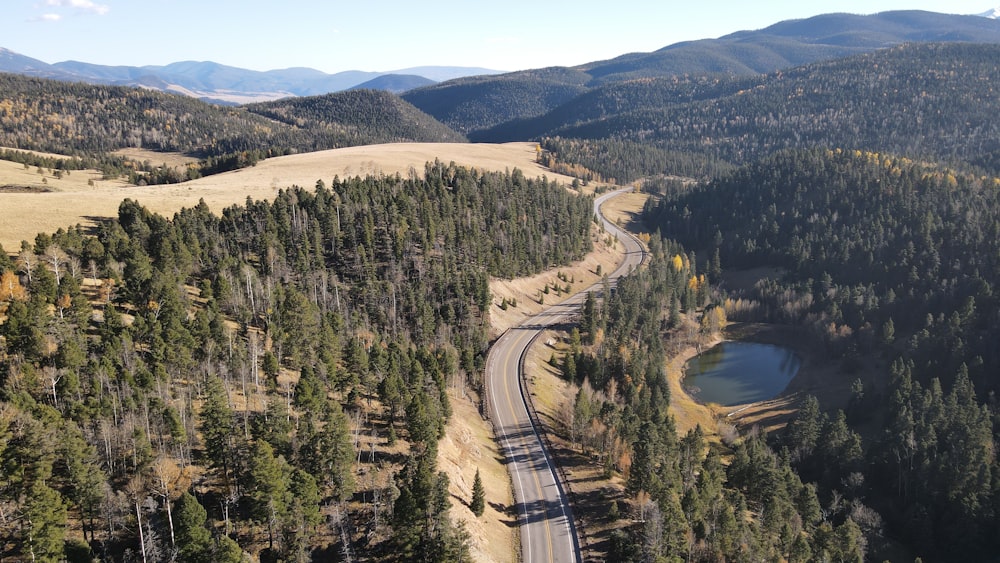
(168, 480)
(26, 261)
(55, 258)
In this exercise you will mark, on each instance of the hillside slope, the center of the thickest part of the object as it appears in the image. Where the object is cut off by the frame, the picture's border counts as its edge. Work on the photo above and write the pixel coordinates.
(73, 118)
(931, 101)
(370, 116)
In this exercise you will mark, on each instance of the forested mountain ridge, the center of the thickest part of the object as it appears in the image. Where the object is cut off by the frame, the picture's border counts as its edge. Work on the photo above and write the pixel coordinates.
(209, 386)
(80, 119)
(746, 53)
(932, 101)
(924, 100)
(395, 83)
(794, 43)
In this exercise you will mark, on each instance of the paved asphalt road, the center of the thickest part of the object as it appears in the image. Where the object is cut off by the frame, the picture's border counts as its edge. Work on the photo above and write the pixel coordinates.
(543, 513)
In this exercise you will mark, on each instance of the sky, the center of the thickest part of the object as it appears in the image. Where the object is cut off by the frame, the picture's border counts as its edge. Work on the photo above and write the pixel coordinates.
(386, 35)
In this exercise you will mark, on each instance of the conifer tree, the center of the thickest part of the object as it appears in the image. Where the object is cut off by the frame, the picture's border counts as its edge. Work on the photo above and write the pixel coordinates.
(45, 524)
(193, 539)
(217, 426)
(478, 503)
(270, 478)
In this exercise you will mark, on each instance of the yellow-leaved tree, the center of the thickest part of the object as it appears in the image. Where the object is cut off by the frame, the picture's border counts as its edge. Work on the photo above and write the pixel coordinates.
(713, 321)
(11, 288)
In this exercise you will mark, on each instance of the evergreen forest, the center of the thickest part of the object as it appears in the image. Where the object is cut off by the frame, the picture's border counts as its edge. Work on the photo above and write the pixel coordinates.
(206, 387)
(882, 258)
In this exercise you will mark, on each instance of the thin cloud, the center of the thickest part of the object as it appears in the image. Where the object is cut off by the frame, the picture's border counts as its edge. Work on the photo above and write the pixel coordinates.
(83, 5)
(46, 18)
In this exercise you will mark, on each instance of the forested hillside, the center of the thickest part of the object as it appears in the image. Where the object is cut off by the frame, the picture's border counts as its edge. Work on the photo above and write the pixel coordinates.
(624, 162)
(85, 120)
(369, 116)
(270, 381)
(481, 102)
(884, 256)
(932, 101)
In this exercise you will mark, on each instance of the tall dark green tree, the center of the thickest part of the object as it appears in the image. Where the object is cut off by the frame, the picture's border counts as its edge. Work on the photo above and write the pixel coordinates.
(194, 541)
(44, 524)
(478, 503)
(217, 426)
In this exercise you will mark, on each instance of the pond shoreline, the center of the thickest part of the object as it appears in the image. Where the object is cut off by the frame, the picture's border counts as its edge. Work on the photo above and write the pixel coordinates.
(817, 376)
(734, 373)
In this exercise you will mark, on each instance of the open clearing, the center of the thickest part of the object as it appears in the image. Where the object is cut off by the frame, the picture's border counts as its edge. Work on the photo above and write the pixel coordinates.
(72, 201)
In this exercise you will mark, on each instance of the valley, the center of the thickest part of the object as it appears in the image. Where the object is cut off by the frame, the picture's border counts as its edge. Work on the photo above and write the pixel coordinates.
(330, 327)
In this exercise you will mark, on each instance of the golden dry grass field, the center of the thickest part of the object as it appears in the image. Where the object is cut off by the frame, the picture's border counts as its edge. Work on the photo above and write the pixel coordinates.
(71, 200)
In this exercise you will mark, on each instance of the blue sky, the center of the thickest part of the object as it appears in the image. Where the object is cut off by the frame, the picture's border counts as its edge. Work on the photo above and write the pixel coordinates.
(383, 35)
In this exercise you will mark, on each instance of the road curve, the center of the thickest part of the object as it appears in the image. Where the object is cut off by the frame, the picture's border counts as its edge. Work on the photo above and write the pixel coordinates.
(544, 516)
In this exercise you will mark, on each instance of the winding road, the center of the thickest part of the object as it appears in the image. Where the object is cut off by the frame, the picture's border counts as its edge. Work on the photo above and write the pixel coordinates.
(548, 533)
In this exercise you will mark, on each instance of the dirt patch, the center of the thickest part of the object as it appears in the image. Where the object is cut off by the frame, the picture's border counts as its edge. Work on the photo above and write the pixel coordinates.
(522, 294)
(468, 445)
(169, 159)
(23, 189)
(687, 411)
(626, 210)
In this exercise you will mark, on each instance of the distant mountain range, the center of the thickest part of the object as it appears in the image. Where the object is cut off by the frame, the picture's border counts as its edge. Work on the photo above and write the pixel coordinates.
(476, 101)
(907, 83)
(215, 82)
(782, 45)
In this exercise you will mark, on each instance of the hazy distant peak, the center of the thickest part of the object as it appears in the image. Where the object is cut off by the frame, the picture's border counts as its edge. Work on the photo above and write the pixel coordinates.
(993, 14)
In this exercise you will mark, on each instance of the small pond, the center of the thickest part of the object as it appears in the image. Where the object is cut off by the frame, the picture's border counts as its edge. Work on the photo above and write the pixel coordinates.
(735, 373)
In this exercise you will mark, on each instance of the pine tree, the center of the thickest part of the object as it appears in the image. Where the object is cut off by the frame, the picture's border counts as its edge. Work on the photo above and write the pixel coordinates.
(45, 523)
(217, 426)
(194, 541)
(303, 515)
(270, 478)
(478, 503)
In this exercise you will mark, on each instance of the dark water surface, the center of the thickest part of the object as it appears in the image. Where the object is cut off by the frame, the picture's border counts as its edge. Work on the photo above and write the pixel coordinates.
(735, 373)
